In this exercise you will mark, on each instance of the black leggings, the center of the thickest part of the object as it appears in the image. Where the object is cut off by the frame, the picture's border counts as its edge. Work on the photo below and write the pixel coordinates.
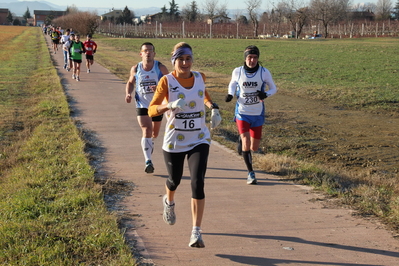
(197, 161)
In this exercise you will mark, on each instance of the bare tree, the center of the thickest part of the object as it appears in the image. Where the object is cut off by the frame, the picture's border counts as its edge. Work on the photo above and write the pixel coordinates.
(72, 9)
(396, 11)
(384, 9)
(190, 12)
(328, 12)
(297, 13)
(210, 7)
(222, 10)
(252, 8)
(82, 22)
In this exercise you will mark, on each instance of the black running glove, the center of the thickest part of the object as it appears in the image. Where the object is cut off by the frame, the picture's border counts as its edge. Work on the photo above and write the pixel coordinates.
(228, 98)
(262, 95)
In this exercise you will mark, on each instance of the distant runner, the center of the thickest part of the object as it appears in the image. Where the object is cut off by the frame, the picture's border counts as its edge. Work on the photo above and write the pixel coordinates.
(91, 48)
(77, 49)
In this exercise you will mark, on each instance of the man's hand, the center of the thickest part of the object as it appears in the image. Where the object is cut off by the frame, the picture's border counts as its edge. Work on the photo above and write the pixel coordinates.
(228, 98)
(128, 98)
(262, 95)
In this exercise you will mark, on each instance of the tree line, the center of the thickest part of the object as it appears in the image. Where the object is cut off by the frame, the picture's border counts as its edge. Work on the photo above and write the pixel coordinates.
(297, 14)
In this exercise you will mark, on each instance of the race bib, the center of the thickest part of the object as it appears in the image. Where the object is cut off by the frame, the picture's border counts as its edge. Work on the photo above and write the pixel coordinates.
(188, 121)
(148, 86)
(250, 98)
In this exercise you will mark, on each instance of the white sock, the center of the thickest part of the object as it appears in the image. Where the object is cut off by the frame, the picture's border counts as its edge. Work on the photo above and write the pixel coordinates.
(196, 228)
(146, 145)
(170, 203)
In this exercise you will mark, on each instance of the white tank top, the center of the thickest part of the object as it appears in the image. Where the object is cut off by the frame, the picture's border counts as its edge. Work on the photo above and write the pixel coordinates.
(186, 129)
(146, 82)
(249, 102)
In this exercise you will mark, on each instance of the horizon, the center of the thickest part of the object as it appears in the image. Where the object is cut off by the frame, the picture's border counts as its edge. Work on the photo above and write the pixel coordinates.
(104, 6)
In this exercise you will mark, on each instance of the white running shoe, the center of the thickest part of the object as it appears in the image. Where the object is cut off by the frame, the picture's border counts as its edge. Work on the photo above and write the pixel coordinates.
(77, 78)
(196, 239)
(251, 180)
(168, 212)
(88, 71)
(73, 76)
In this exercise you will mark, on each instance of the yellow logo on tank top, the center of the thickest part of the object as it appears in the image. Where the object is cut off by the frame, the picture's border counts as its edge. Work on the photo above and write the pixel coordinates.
(192, 104)
(180, 137)
(181, 96)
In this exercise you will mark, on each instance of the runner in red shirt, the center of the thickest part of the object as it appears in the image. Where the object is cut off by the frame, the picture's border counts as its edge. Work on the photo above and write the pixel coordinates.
(91, 48)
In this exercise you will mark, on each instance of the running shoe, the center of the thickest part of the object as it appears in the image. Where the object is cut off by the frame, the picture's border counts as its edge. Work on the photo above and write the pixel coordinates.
(196, 239)
(73, 76)
(239, 146)
(77, 78)
(149, 167)
(88, 71)
(251, 180)
(168, 212)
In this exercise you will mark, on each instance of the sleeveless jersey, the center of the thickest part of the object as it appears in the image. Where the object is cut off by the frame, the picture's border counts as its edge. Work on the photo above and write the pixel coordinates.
(186, 129)
(89, 47)
(55, 35)
(146, 82)
(76, 47)
(248, 102)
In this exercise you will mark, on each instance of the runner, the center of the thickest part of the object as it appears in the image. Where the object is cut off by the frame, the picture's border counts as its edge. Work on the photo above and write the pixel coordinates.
(55, 38)
(145, 76)
(64, 40)
(67, 47)
(77, 49)
(248, 84)
(186, 134)
(91, 48)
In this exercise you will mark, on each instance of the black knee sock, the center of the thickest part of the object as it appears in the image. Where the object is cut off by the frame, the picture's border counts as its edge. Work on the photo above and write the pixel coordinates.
(248, 160)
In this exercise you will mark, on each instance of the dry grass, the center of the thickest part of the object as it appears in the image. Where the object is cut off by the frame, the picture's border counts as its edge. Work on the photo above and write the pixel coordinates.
(52, 211)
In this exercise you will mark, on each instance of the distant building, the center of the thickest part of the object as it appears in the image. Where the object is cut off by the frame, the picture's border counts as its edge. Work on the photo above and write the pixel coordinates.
(30, 21)
(115, 13)
(153, 18)
(362, 15)
(40, 16)
(219, 19)
(3, 16)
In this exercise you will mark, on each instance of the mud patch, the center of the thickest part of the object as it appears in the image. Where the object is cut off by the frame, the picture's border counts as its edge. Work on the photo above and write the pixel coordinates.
(328, 134)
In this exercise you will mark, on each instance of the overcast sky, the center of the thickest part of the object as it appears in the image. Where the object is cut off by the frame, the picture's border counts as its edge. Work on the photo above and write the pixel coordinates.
(135, 4)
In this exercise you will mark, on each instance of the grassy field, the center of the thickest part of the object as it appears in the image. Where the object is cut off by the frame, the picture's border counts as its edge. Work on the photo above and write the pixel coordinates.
(51, 210)
(358, 73)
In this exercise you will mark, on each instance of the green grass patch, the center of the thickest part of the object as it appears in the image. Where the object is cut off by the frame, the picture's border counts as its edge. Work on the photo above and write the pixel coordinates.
(52, 211)
(357, 73)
